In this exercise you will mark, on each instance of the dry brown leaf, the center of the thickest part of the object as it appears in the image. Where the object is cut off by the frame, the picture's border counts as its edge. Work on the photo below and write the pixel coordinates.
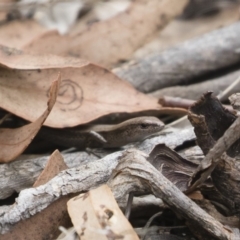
(197, 195)
(54, 166)
(96, 215)
(19, 33)
(14, 141)
(44, 225)
(115, 39)
(87, 91)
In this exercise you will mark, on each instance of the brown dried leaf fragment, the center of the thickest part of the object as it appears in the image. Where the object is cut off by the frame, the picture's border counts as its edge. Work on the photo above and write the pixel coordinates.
(96, 215)
(54, 165)
(14, 141)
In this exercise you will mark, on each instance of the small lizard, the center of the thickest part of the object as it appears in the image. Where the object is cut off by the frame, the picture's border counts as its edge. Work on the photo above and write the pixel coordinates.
(106, 136)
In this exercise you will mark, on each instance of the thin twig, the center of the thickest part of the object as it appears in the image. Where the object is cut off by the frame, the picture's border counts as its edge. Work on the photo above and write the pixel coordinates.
(226, 92)
(129, 205)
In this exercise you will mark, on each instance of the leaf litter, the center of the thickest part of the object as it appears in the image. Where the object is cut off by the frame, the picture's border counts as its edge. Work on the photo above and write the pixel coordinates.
(90, 92)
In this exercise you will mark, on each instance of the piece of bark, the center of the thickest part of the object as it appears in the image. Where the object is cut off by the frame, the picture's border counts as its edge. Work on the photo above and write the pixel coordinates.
(195, 91)
(205, 141)
(184, 63)
(44, 224)
(219, 136)
(210, 120)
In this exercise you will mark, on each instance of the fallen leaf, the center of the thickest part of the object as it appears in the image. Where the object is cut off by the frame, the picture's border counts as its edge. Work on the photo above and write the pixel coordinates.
(19, 33)
(14, 141)
(96, 215)
(107, 42)
(54, 165)
(44, 225)
(87, 91)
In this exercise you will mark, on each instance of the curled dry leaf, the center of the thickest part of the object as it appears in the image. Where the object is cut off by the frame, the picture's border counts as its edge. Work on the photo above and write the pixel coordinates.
(87, 91)
(14, 141)
(174, 167)
(115, 39)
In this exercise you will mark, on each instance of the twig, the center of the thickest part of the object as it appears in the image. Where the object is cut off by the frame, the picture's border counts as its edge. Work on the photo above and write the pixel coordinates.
(214, 155)
(129, 205)
(226, 92)
(178, 102)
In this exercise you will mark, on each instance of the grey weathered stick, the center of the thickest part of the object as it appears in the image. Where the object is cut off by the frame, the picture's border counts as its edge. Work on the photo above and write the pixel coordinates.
(195, 91)
(182, 64)
(229, 90)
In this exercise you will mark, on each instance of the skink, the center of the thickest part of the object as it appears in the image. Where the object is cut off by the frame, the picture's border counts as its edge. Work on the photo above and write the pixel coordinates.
(106, 136)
